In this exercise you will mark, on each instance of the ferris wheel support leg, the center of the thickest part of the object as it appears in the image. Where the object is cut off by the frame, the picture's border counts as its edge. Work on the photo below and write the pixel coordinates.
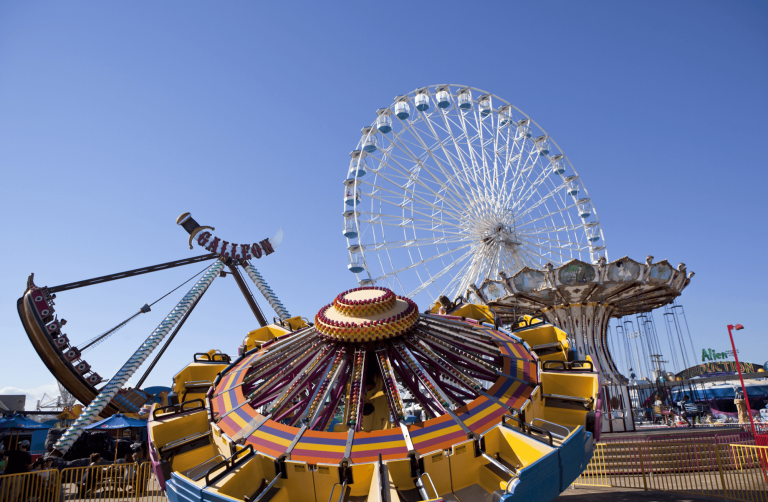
(270, 295)
(109, 391)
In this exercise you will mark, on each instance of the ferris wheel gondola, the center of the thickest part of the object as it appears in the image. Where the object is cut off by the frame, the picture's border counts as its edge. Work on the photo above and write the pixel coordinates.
(452, 185)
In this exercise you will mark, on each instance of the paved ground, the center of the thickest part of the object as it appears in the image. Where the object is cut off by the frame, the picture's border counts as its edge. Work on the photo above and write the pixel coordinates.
(588, 494)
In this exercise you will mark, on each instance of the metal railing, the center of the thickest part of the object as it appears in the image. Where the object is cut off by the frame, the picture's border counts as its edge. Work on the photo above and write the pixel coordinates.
(734, 471)
(117, 482)
(40, 486)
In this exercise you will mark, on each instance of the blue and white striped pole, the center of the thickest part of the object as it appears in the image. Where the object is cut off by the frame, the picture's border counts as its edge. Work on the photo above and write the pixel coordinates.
(270, 295)
(109, 391)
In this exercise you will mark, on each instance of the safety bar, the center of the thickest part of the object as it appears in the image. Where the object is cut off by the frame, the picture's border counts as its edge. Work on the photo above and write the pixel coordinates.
(203, 357)
(524, 324)
(430, 482)
(177, 409)
(197, 384)
(185, 440)
(498, 464)
(197, 472)
(527, 428)
(229, 464)
(421, 487)
(546, 346)
(558, 436)
(333, 489)
(578, 365)
(581, 362)
(587, 402)
(265, 491)
(512, 483)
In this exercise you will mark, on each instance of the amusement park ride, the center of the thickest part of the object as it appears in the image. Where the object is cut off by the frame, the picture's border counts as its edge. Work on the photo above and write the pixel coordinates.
(496, 394)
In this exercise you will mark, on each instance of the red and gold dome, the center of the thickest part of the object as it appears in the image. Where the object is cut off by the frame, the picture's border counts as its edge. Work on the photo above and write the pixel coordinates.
(367, 314)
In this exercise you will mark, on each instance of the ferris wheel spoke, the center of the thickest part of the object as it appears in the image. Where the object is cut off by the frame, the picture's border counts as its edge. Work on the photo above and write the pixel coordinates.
(440, 274)
(414, 158)
(533, 186)
(467, 155)
(527, 168)
(569, 248)
(547, 230)
(534, 191)
(552, 249)
(411, 179)
(547, 215)
(402, 221)
(436, 230)
(402, 207)
(549, 239)
(448, 156)
(411, 191)
(412, 243)
(413, 265)
(543, 200)
(417, 179)
(548, 250)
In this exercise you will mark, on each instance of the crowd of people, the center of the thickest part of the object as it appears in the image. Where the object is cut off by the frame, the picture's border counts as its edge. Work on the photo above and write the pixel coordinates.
(102, 474)
(686, 411)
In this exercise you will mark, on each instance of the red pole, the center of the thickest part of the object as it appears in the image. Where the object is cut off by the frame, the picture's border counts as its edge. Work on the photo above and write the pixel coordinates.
(743, 387)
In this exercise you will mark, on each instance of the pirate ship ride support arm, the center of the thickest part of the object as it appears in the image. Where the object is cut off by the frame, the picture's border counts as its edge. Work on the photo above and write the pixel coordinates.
(131, 273)
(168, 342)
(270, 295)
(247, 293)
(129, 368)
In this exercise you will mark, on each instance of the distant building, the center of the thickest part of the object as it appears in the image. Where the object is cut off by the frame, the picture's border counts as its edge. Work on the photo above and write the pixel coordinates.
(11, 402)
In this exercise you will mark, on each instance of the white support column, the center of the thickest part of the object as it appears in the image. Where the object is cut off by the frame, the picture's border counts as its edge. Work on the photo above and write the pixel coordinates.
(137, 359)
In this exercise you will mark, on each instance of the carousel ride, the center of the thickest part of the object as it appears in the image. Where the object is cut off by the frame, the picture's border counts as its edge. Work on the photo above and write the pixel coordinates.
(452, 192)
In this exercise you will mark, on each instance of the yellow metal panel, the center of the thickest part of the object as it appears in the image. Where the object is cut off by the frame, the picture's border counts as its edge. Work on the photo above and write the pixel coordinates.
(438, 467)
(258, 336)
(325, 476)
(300, 485)
(526, 449)
(477, 312)
(496, 443)
(297, 322)
(363, 476)
(464, 466)
(400, 472)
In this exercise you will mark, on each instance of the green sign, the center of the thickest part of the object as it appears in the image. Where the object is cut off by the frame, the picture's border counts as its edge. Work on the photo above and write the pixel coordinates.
(711, 355)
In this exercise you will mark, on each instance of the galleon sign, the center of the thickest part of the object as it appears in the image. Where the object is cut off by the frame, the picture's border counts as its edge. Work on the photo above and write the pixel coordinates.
(232, 250)
(226, 249)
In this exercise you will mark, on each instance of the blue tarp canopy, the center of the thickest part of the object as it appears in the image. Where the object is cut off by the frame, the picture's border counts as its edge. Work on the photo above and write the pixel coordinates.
(20, 422)
(117, 421)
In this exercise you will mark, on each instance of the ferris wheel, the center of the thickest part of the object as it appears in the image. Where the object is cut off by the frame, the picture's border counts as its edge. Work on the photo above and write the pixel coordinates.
(451, 185)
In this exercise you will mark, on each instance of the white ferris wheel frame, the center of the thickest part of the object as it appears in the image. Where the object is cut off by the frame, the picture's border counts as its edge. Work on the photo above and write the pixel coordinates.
(482, 266)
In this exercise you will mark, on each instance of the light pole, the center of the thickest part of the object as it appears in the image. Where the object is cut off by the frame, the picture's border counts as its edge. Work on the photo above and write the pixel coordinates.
(738, 368)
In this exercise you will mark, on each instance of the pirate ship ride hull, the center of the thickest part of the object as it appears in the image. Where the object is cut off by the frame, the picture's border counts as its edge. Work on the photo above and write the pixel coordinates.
(53, 357)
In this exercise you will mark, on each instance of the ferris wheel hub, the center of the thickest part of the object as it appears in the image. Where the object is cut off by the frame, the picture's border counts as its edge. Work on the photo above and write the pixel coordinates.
(367, 314)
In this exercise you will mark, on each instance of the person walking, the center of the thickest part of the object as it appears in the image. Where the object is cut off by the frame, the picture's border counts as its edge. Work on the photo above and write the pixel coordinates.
(690, 410)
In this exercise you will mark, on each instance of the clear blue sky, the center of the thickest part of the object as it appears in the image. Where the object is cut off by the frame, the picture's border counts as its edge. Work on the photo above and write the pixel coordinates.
(117, 117)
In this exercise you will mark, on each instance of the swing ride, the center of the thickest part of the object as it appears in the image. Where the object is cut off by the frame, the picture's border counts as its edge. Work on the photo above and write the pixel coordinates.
(494, 395)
